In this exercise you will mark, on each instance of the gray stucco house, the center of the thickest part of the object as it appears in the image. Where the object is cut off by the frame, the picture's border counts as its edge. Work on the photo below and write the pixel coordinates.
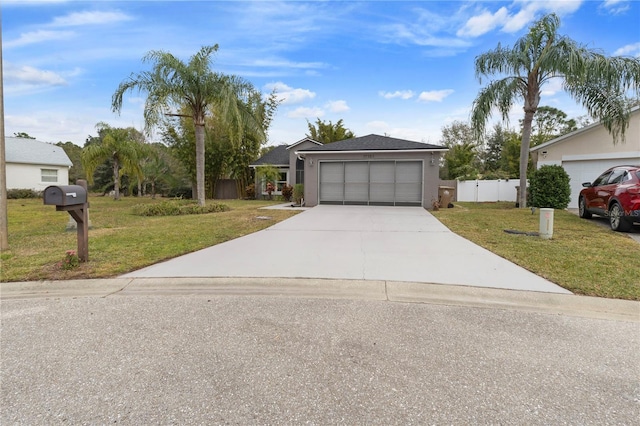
(285, 159)
(368, 170)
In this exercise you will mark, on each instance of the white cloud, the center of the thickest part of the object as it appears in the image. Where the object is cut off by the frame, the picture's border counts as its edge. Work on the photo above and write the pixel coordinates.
(402, 94)
(552, 87)
(483, 23)
(629, 50)
(90, 18)
(283, 63)
(337, 106)
(32, 76)
(379, 126)
(288, 95)
(304, 112)
(38, 36)
(615, 7)
(511, 21)
(434, 95)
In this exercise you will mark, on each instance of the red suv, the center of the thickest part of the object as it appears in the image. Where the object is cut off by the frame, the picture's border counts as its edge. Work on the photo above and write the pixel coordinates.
(614, 194)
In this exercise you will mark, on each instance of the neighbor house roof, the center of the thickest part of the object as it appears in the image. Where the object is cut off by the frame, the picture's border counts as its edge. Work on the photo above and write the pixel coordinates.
(373, 143)
(31, 151)
(560, 139)
(278, 156)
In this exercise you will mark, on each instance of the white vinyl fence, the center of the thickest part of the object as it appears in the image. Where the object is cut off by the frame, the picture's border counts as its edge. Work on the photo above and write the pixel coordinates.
(487, 190)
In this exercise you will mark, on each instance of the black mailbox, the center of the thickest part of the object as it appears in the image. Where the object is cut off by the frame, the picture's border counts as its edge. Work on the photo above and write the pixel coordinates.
(65, 195)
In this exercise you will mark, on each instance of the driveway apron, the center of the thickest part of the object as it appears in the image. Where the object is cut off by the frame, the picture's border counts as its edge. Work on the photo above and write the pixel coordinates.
(358, 243)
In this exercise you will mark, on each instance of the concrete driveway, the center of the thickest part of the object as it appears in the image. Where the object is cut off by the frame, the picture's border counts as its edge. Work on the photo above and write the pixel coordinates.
(355, 243)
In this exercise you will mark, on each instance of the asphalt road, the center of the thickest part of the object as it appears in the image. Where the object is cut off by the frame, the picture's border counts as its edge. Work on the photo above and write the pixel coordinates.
(211, 359)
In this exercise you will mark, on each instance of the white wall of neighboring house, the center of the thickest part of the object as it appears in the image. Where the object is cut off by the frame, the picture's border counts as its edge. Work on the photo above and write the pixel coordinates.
(29, 176)
(587, 152)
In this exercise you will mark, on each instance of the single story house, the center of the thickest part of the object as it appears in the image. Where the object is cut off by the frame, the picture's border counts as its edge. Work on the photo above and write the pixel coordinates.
(32, 164)
(291, 167)
(587, 152)
(371, 170)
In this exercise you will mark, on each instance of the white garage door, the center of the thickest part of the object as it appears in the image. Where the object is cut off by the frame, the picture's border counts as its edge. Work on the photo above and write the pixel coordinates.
(391, 183)
(587, 171)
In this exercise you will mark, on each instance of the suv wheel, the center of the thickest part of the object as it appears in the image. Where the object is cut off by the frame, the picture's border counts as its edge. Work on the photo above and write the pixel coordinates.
(582, 209)
(617, 220)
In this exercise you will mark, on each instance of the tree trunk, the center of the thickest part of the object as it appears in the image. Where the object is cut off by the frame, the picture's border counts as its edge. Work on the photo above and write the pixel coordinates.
(200, 163)
(116, 179)
(524, 155)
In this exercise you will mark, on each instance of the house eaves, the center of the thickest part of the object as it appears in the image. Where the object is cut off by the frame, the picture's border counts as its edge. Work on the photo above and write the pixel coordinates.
(372, 151)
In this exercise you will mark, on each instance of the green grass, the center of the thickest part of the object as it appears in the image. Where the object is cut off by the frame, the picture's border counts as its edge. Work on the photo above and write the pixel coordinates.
(119, 240)
(582, 256)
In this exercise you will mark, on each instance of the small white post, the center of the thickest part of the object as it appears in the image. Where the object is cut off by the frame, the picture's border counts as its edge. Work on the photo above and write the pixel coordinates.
(546, 223)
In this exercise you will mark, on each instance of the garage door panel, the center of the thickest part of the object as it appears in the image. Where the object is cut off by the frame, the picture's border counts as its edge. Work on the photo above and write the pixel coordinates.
(331, 182)
(356, 182)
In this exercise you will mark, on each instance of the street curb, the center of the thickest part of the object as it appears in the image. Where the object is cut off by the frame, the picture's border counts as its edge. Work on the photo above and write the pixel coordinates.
(393, 291)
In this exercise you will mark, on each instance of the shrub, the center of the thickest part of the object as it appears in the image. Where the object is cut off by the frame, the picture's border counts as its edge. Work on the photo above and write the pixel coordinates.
(177, 208)
(18, 194)
(298, 193)
(251, 191)
(549, 187)
(287, 192)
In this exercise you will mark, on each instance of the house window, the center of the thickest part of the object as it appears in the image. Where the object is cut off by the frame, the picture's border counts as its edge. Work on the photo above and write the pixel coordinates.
(282, 181)
(299, 171)
(49, 175)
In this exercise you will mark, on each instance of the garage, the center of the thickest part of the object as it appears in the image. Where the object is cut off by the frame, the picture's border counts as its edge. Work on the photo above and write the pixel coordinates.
(371, 170)
(380, 183)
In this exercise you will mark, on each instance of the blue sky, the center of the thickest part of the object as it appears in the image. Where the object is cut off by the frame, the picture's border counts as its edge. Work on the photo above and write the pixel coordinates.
(397, 67)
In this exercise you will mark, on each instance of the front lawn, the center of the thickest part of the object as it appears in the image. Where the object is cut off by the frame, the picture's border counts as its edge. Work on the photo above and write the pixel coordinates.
(582, 257)
(119, 240)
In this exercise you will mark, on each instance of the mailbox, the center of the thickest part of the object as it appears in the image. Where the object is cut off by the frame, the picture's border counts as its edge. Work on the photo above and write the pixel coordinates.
(65, 195)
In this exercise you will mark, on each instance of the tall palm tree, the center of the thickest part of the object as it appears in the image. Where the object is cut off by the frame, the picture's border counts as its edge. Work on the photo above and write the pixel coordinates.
(174, 86)
(594, 80)
(123, 146)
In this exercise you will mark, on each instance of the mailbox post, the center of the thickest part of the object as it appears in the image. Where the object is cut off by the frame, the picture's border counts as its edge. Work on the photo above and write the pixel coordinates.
(73, 199)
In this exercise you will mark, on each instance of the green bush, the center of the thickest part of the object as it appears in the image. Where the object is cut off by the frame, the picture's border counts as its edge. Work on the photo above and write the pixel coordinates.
(549, 188)
(177, 208)
(18, 194)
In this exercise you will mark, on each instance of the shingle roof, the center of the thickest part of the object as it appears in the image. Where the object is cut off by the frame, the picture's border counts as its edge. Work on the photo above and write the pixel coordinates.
(277, 156)
(31, 151)
(374, 143)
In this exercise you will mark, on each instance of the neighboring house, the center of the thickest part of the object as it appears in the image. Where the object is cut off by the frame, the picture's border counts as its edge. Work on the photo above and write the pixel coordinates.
(587, 152)
(371, 170)
(283, 157)
(32, 164)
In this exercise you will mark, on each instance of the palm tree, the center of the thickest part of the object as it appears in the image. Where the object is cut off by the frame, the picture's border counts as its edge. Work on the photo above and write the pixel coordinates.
(174, 86)
(594, 80)
(123, 146)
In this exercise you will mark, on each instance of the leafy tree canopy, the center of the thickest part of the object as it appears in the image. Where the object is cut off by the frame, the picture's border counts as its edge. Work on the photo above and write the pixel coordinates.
(327, 132)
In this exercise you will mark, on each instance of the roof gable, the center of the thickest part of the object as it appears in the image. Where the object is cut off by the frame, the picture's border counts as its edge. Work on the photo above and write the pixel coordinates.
(31, 151)
(374, 143)
(301, 141)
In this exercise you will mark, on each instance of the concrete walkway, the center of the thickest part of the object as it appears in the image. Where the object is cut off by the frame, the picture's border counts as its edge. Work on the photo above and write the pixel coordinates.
(405, 244)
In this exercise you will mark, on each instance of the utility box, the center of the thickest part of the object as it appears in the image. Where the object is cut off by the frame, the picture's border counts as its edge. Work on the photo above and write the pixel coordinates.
(546, 223)
(64, 195)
